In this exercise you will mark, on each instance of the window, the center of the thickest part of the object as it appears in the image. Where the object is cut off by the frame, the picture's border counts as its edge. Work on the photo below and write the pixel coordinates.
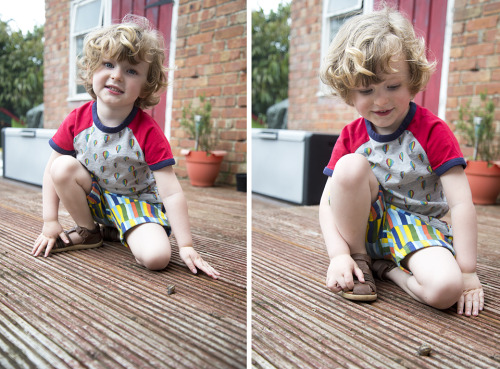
(86, 15)
(336, 13)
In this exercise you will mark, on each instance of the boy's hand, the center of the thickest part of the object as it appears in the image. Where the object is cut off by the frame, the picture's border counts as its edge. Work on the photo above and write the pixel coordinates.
(340, 273)
(193, 260)
(473, 296)
(47, 239)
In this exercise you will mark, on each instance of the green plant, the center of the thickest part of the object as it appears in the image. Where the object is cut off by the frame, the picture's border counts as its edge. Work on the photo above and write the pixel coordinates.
(477, 126)
(196, 121)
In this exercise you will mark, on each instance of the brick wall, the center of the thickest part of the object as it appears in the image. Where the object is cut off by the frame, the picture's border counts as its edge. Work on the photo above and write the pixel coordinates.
(307, 110)
(56, 63)
(211, 61)
(474, 64)
(474, 56)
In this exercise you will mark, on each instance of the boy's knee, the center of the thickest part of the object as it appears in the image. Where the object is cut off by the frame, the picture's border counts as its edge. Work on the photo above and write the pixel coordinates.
(352, 169)
(442, 293)
(157, 260)
(63, 167)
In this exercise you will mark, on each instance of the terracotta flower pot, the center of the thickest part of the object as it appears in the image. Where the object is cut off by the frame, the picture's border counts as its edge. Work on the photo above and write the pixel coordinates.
(484, 181)
(203, 168)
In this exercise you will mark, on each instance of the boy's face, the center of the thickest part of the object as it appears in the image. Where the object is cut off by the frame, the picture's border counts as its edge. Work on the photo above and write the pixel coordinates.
(385, 104)
(118, 84)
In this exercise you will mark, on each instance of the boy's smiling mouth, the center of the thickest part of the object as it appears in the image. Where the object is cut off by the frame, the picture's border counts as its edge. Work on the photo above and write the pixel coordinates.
(114, 89)
(383, 113)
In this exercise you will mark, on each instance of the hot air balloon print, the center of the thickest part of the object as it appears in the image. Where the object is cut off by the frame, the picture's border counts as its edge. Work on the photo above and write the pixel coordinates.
(389, 162)
(411, 193)
(402, 174)
(125, 182)
(412, 146)
(105, 154)
(118, 148)
(421, 157)
(412, 164)
(102, 168)
(368, 151)
(95, 157)
(116, 175)
(385, 148)
(87, 161)
(131, 143)
(95, 142)
(401, 156)
(388, 177)
(106, 138)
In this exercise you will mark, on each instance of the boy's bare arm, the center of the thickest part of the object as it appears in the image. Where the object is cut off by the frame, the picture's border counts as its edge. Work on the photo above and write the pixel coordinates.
(176, 208)
(51, 226)
(342, 266)
(464, 222)
(335, 244)
(463, 218)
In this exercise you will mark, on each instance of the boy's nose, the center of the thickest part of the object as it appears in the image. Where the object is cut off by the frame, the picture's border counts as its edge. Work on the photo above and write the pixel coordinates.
(381, 99)
(117, 74)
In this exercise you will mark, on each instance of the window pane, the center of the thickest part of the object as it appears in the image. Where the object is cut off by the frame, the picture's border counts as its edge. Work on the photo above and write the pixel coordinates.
(337, 22)
(87, 16)
(343, 6)
(78, 49)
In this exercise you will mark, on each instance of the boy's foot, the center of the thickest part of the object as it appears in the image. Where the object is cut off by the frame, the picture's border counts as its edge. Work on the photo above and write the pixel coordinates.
(362, 291)
(110, 234)
(381, 267)
(79, 239)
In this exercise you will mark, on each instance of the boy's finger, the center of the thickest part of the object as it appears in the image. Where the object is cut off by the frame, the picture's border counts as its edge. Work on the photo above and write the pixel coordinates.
(348, 282)
(359, 274)
(64, 237)
(460, 305)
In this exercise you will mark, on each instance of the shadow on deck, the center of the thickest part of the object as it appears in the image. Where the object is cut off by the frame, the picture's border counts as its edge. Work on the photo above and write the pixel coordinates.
(298, 323)
(99, 309)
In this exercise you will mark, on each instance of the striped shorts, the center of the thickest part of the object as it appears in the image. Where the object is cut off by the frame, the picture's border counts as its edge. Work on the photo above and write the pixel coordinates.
(123, 212)
(393, 233)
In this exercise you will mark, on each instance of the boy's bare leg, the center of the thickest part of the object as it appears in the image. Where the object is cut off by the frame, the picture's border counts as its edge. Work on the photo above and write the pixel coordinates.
(436, 279)
(150, 245)
(353, 189)
(72, 183)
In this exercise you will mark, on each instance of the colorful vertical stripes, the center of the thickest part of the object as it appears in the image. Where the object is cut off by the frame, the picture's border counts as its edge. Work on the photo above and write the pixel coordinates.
(393, 233)
(123, 212)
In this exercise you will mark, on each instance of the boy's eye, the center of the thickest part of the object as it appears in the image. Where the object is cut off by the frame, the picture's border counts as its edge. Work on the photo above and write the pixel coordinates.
(132, 71)
(108, 65)
(365, 92)
(393, 87)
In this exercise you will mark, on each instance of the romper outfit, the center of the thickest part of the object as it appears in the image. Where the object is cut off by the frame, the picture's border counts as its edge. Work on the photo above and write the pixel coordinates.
(407, 164)
(121, 161)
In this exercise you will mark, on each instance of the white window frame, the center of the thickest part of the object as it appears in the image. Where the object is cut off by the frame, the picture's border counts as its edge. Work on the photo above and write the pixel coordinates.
(365, 5)
(104, 20)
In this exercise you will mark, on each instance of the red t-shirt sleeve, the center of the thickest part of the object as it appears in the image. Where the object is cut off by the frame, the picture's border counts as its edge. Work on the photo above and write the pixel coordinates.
(351, 137)
(439, 142)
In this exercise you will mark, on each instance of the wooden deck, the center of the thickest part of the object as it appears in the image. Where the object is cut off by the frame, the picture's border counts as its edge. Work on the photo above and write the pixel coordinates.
(99, 309)
(298, 323)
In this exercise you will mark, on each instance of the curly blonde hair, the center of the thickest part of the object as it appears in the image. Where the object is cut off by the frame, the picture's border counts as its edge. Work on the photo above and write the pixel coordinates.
(366, 45)
(133, 40)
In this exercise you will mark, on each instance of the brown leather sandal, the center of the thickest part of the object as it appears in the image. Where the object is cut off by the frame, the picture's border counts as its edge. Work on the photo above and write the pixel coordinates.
(91, 239)
(362, 291)
(381, 266)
